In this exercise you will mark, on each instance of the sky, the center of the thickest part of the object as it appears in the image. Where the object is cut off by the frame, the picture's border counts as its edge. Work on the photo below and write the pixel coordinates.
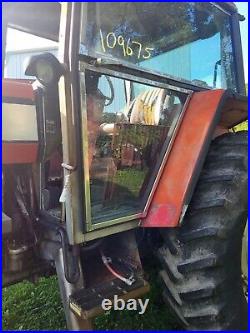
(17, 40)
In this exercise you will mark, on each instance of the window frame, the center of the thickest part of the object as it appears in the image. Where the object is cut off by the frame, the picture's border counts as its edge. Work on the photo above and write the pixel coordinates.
(155, 176)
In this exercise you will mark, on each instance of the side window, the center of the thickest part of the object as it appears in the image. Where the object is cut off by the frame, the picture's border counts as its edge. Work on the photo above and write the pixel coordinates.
(20, 46)
(128, 126)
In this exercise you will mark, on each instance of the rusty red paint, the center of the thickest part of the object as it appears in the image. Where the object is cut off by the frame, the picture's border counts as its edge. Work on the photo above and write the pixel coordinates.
(198, 122)
(161, 212)
(17, 89)
(17, 153)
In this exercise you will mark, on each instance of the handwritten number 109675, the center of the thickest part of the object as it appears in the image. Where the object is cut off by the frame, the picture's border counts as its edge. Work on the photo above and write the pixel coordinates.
(130, 47)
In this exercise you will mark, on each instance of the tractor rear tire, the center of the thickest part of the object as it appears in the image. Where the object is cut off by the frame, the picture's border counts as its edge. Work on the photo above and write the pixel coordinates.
(201, 260)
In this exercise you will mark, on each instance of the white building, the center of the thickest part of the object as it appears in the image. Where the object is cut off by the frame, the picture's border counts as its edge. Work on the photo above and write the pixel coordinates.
(16, 61)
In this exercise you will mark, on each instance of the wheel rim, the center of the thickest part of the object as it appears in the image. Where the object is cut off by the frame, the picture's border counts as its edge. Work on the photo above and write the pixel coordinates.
(244, 261)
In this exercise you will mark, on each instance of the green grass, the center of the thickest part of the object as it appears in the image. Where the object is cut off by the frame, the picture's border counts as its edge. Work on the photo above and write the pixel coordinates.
(26, 306)
(131, 179)
(38, 307)
(242, 126)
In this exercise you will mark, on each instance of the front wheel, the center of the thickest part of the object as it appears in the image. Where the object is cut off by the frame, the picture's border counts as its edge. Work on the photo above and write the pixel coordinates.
(201, 260)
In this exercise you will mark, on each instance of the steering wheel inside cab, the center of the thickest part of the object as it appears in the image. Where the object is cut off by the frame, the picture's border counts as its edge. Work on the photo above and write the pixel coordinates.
(109, 99)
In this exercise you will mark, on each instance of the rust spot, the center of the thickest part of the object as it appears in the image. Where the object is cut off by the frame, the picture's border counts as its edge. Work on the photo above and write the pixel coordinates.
(159, 215)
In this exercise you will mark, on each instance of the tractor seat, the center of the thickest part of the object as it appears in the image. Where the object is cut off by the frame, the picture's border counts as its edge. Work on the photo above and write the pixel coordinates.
(146, 108)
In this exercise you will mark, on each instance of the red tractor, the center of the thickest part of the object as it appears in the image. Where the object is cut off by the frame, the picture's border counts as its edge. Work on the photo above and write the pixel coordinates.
(121, 148)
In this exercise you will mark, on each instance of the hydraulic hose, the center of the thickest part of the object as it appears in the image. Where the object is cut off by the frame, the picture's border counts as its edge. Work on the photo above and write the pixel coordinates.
(71, 277)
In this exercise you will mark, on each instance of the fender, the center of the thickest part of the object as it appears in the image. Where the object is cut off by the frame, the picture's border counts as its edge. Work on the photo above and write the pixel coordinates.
(208, 114)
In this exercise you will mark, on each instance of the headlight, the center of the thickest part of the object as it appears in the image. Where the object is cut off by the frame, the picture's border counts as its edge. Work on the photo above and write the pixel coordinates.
(45, 72)
(46, 68)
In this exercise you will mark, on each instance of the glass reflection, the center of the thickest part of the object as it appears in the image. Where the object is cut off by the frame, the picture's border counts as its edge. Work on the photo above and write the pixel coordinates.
(128, 124)
(182, 39)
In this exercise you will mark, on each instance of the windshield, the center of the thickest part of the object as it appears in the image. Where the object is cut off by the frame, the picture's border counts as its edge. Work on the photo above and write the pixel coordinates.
(190, 41)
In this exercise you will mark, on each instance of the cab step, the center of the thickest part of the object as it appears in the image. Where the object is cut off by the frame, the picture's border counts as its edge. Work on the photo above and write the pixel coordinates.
(87, 302)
